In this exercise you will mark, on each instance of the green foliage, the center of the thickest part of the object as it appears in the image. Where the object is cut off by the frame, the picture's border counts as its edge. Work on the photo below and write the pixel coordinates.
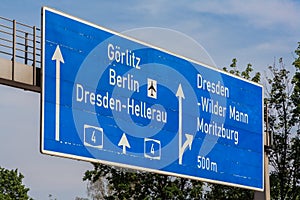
(295, 97)
(246, 74)
(220, 192)
(294, 191)
(283, 123)
(131, 184)
(11, 186)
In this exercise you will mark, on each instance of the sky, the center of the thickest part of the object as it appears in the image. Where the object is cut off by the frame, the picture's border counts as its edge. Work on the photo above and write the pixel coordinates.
(256, 32)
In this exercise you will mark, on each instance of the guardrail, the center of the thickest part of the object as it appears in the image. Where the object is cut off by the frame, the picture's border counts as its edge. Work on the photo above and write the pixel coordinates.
(20, 46)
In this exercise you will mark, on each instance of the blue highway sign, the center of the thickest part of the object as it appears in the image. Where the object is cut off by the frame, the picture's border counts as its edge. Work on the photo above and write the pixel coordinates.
(112, 99)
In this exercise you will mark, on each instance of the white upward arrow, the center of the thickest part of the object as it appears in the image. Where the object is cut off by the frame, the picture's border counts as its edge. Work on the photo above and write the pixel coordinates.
(189, 138)
(124, 142)
(180, 96)
(57, 56)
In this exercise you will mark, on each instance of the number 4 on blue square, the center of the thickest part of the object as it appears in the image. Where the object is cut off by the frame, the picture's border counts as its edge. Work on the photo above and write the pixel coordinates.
(152, 148)
(93, 136)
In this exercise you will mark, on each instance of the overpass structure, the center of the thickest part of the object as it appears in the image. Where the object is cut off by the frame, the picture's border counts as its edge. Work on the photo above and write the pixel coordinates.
(20, 55)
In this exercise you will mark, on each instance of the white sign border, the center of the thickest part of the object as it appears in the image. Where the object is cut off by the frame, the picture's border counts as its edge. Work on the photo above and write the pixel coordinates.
(64, 155)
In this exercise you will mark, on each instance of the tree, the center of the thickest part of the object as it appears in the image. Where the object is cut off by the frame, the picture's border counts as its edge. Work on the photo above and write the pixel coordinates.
(295, 97)
(283, 124)
(11, 186)
(132, 184)
(295, 143)
(296, 121)
(246, 74)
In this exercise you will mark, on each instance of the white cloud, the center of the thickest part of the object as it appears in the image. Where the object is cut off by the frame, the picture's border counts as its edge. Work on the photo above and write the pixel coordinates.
(255, 12)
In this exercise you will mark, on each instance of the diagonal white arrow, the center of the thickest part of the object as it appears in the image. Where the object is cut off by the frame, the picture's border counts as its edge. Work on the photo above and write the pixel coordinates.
(57, 56)
(189, 138)
(124, 142)
(188, 142)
